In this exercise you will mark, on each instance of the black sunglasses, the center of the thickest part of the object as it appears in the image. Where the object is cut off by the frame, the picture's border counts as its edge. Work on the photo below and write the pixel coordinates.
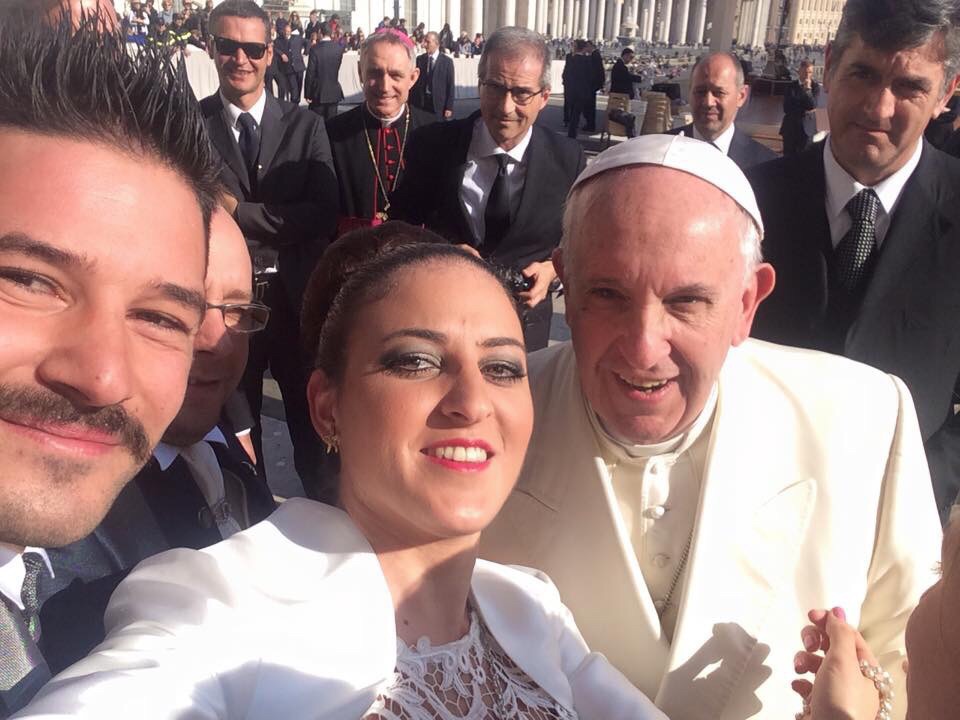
(252, 50)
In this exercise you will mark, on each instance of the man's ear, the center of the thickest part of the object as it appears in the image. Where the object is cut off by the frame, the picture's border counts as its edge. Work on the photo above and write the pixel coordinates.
(947, 94)
(557, 259)
(757, 289)
(322, 400)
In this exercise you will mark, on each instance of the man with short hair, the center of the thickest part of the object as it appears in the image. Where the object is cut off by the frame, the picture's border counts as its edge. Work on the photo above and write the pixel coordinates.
(717, 92)
(288, 54)
(864, 229)
(369, 142)
(435, 89)
(282, 192)
(621, 79)
(322, 88)
(799, 111)
(694, 493)
(495, 182)
(99, 301)
(197, 488)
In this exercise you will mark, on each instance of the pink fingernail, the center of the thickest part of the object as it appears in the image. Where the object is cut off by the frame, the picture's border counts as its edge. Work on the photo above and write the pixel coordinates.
(839, 614)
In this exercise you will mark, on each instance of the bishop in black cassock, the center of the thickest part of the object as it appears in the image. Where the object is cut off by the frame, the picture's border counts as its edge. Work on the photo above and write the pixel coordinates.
(368, 158)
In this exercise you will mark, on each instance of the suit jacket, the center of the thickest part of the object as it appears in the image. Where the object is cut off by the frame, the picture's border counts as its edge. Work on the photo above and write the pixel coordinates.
(908, 323)
(292, 47)
(290, 208)
(814, 494)
(429, 191)
(156, 511)
(322, 85)
(360, 195)
(442, 85)
(744, 150)
(797, 102)
(578, 82)
(293, 619)
(622, 80)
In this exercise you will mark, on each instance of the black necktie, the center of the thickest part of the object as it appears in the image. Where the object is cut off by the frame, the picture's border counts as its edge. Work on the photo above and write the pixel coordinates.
(856, 250)
(22, 667)
(249, 143)
(496, 217)
(430, 65)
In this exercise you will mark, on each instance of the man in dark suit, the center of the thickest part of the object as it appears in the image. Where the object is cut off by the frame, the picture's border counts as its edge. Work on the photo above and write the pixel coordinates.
(864, 229)
(799, 103)
(495, 182)
(322, 89)
(197, 489)
(621, 79)
(369, 142)
(578, 87)
(282, 191)
(597, 79)
(102, 290)
(435, 89)
(717, 92)
(288, 49)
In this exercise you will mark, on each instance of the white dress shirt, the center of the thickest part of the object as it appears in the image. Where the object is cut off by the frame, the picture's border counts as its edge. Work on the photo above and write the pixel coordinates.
(841, 187)
(231, 113)
(657, 488)
(13, 572)
(723, 139)
(482, 171)
(207, 474)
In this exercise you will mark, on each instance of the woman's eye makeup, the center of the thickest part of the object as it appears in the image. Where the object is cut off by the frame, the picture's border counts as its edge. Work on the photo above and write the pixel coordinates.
(412, 363)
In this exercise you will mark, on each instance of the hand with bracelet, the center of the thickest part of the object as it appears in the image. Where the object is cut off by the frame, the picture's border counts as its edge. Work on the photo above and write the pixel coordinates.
(848, 683)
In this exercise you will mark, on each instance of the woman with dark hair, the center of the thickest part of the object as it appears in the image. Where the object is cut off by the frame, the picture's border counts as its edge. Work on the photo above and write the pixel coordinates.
(378, 609)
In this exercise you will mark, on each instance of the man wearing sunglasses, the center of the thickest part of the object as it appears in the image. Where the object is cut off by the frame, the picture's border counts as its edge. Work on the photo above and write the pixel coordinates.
(282, 191)
(494, 182)
(197, 488)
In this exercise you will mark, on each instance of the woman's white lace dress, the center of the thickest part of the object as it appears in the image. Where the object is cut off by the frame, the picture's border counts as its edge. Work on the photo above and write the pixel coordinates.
(469, 679)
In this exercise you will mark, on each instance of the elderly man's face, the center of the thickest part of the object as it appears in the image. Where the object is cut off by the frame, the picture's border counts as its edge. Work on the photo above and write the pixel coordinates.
(99, 304)
(507, 119)
(655, 297)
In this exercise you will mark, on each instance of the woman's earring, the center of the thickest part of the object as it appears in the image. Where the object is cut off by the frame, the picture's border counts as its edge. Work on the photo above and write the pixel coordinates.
(332, 442)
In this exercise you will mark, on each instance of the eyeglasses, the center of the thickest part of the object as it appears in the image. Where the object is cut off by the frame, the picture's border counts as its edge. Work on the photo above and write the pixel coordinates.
(243, 317)
(521, 96)
(226, 46)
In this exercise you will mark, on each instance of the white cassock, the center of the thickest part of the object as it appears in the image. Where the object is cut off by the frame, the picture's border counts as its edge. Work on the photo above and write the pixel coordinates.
(814, 493)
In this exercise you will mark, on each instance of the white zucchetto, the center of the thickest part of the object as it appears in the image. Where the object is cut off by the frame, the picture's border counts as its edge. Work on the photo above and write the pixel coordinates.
(682, 153)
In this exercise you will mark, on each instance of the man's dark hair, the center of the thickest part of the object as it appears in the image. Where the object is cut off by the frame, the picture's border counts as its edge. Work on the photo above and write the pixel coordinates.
(325, 29)
(627, 51)
(82, 84)
(895, 25)
(239, 9)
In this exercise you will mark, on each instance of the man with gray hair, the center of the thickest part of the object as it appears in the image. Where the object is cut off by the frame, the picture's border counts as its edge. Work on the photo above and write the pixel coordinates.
(693, 493)
(368, 142)
(717, 92)
(435, 89)
(495, 182)
(870, 272)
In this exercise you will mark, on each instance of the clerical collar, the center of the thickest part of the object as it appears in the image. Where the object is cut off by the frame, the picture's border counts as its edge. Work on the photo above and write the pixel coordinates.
(674, 446)
(166, 453)
(386, 122)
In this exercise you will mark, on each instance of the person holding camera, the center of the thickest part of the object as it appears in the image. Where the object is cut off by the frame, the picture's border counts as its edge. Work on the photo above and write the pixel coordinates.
(494, 181)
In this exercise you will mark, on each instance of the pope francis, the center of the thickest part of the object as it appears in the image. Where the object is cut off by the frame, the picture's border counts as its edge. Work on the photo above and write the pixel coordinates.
(694, 493)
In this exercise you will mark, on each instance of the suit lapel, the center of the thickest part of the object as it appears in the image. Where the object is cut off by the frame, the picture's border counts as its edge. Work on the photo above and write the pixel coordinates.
(534, 179)
(271, 134)
(221, 137)
(918, 224)
(752, 509)
(463, 146)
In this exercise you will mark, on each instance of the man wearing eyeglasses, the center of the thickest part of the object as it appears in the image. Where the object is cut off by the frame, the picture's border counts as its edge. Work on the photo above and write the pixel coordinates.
(282, 191)
(494, 182)
(197, 488)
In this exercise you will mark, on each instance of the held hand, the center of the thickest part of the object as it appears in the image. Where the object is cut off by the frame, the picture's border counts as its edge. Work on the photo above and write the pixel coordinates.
(839, 690)
(284, 58)
(448, 114)
(543, 274)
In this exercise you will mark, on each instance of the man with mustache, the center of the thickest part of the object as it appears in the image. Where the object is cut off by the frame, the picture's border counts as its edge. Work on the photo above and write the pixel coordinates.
(101, 291)
(871, 270)
(198, 487)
